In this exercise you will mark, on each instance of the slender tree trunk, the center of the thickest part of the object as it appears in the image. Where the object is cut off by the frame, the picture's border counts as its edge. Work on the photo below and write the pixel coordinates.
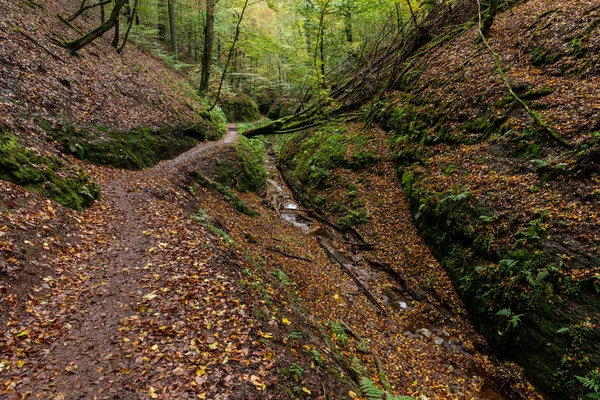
(102, 14)
(348, 27)
(162, 21)
(115, 41)
(209, 30)
(131, 19)
(172, 27)
(235, 39)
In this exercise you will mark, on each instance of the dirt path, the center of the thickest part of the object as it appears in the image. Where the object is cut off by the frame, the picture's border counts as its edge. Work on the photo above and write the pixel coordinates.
(123, 317)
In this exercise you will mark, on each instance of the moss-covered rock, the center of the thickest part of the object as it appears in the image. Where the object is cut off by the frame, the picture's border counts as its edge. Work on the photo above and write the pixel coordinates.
(240, 108)
(243, 168)
(136, 149)
(67, 184)
(282, 107)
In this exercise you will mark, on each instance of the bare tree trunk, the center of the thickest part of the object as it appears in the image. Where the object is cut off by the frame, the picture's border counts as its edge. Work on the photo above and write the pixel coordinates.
(209, 30)
(172, 27)
(131, 18)
(115, 41)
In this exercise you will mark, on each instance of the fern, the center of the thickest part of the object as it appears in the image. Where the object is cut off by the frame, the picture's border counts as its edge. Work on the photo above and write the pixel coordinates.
(591, 383)
(505, 312)
(370, 389)
(372, 392)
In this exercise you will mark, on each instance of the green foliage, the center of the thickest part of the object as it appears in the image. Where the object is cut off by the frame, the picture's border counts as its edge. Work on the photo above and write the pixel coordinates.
(353, 218)
(591, 383)
(516, 294)
(372, 392)
(338, 331)
(295, 371)
(68, 185)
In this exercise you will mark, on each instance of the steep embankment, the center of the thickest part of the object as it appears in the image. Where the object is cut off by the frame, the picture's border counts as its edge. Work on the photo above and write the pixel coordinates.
(128, 110)
(510, 212)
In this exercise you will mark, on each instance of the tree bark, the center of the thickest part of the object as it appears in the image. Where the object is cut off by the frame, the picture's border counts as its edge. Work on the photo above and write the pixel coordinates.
(172, 27)
(79, 43)
(131, 19)
(489, 18)
(209, 30)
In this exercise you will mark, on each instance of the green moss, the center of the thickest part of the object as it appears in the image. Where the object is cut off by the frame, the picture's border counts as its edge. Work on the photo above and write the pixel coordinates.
(519, 280)
(244, 171)
(68, 185)
(136, 149)
(240, 108)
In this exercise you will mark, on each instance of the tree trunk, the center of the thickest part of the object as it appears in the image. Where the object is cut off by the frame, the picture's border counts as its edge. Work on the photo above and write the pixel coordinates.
(348, 27)
(86, 39)
(162, 21)
(209, 30)
(115, 41)
(489, 19)
(172, 27)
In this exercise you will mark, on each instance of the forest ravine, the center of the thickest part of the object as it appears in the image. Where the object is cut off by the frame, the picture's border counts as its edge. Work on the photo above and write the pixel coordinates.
(299, 199)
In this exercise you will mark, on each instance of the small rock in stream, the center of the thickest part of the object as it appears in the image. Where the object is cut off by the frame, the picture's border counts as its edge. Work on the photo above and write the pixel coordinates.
(438, 340)
(425, 332)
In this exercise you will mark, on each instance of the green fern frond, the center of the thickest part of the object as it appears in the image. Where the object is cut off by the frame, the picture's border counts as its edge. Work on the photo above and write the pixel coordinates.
(370, 389)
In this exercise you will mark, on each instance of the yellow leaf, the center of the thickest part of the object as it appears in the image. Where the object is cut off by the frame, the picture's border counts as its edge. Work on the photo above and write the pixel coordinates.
(154, 348)
(152, 393)
(20, 363)
(305, 390)
(336, 296)
(213, 346)
(201, 370)
(286, 321)
(265, 335)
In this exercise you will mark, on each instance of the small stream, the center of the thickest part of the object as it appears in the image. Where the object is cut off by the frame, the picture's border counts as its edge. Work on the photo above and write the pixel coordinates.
(282, 200)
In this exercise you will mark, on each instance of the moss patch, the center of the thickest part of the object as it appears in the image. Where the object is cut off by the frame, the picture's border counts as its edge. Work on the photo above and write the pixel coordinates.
(137, 149)
(240, 108)
(243, 170)
(68, 185)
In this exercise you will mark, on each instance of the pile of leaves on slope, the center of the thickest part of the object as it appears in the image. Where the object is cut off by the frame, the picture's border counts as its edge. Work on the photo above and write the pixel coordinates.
(128, 109)
(425, 343)
(510, 212)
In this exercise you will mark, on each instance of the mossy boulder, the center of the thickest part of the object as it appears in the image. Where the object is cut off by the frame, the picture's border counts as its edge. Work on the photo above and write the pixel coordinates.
(242, 168)
(240, 108)
(137, 149)
(282, 107)
(67, 184)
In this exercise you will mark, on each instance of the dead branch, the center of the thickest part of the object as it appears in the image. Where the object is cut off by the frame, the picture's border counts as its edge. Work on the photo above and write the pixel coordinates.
(354, 278)
(84, 8)
(47, 50)
(274, 250)
(380, 371)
